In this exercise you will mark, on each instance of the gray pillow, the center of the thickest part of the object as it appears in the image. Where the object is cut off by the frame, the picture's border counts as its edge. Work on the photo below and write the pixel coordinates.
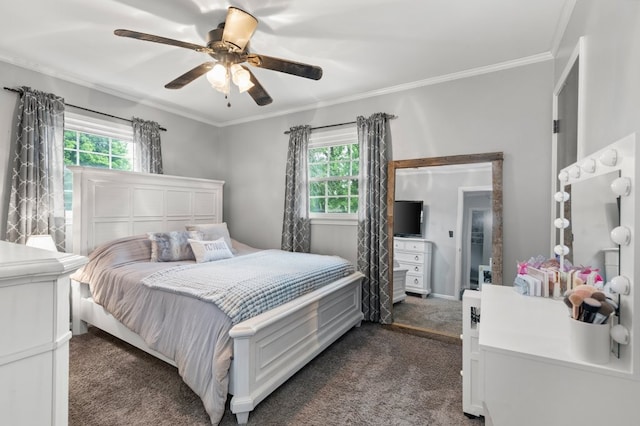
(171, 246)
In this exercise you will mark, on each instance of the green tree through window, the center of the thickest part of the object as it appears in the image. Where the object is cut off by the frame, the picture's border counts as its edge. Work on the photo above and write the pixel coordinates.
(92, 150)
(333, 178)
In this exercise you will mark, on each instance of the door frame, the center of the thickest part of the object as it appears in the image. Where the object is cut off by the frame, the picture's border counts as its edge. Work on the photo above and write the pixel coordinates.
(577, 57)
(462, 192)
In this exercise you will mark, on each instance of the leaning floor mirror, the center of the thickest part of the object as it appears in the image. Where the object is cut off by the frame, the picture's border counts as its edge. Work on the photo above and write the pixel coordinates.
(445, 219)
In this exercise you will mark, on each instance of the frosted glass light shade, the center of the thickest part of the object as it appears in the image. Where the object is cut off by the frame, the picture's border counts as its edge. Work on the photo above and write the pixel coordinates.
(241, 78)
(239, 26)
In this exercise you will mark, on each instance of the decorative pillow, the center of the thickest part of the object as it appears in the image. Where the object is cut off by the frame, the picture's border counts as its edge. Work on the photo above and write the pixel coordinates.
(213, 231)
(208, 251)
(171, 246)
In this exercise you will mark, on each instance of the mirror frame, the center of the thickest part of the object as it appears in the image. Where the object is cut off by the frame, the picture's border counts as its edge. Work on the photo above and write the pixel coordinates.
(600, 162)
(496, 160)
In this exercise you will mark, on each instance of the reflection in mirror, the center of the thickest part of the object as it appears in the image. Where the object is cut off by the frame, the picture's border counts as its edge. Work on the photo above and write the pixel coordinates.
(442, 189)
(594, 212)
(462, 229)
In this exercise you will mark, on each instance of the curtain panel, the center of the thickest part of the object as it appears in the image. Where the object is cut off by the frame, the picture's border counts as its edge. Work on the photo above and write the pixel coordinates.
(296, 227)
(373, 236)
(36, 201)
(146, 137)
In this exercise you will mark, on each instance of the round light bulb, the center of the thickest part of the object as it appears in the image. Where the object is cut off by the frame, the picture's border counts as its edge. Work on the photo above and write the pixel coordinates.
(620, 285)
(620, 334)
(574, 172)
(621, 235)
(621, 186)
(561, 250)
(589, 166)
(561, 223)
(609, 157)
(563, 176)
(561, 196)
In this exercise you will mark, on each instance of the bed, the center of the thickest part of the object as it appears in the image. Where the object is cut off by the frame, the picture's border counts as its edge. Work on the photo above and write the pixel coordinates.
(252, 356)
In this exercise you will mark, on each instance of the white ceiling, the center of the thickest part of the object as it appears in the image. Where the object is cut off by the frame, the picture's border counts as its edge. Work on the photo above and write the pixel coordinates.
(365, 47)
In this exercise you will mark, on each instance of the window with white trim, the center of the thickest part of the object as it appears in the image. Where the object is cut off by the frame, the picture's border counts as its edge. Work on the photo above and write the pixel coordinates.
(92, 142)
(333, 165)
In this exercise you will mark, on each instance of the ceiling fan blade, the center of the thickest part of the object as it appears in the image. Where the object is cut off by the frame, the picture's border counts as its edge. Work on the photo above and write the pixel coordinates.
(189, 76)
(290, 67)
(161, 40)
(238, 28)
(257, 92)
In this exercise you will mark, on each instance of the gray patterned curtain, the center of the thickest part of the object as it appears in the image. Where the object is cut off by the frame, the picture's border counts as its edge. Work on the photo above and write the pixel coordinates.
(373, 253)
(296, 229)
(146, 136)
(36, 204)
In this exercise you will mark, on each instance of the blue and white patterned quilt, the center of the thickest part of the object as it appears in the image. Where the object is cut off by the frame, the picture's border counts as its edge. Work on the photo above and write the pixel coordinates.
(245, 286)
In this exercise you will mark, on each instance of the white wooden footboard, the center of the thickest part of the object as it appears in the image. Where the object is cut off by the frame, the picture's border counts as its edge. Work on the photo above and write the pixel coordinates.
(268, 348)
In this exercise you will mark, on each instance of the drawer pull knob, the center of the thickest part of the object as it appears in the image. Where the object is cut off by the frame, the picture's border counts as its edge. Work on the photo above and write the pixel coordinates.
(417, 257)
(415, 281)
(416, 268)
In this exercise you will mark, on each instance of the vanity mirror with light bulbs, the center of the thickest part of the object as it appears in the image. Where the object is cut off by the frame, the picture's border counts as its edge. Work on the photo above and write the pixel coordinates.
(596, 228)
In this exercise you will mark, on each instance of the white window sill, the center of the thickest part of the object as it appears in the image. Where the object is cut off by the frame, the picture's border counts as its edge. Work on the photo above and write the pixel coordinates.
(335, 221)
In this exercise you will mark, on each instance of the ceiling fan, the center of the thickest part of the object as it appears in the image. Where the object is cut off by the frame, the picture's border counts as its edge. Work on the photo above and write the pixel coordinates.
(228, 44)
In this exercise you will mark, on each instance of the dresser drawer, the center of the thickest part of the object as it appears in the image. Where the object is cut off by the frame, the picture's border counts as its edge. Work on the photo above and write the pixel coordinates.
(421, 246)
(414, 268)
(403, 256)
(414, 281)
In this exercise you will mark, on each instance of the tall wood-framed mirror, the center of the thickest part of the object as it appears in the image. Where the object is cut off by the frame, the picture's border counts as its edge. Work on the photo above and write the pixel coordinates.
(459, 241)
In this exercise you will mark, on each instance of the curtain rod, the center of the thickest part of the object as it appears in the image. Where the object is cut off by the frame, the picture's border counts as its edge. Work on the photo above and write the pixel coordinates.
(86, 109)
(391, 117)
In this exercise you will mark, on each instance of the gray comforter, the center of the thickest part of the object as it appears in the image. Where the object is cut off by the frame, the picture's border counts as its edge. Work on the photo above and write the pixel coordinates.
(178, 320)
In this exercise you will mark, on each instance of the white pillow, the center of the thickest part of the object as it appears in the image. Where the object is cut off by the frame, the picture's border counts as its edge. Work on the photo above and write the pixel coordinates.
(208, 251)
(213, 231)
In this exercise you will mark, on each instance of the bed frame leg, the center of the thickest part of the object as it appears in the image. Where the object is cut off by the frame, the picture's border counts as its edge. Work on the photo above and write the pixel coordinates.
(77, 325)
(243, 418)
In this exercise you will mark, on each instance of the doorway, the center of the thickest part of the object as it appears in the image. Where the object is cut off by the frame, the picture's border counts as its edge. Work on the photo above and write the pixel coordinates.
(474, 243)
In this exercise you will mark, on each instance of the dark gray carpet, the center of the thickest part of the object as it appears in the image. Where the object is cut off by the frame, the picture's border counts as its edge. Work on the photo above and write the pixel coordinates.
(371, 376)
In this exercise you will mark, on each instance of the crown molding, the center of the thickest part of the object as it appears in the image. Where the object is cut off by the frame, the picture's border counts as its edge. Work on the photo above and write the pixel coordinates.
(528, 60)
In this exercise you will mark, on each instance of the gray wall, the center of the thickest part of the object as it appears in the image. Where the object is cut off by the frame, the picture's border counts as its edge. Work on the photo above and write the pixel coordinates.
(189, 147)
(611, 67)
(508, 111)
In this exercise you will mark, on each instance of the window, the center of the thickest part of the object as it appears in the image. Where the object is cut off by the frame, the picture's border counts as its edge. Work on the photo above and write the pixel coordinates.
(93, 142)
(334, 168)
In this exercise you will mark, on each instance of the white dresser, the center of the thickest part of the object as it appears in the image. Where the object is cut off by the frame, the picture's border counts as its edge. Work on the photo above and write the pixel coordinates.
(34, 331)
(414, 255)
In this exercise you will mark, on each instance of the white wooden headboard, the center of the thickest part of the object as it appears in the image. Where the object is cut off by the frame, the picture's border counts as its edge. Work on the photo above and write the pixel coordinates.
(109, 204)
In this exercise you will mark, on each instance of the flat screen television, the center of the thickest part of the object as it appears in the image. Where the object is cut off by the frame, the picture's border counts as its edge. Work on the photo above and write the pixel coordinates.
(407, 218)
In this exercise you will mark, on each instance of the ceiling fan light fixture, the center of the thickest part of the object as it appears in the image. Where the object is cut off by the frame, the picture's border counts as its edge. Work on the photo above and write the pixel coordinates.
(219, 78)
(238, 28)
(241, 78)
